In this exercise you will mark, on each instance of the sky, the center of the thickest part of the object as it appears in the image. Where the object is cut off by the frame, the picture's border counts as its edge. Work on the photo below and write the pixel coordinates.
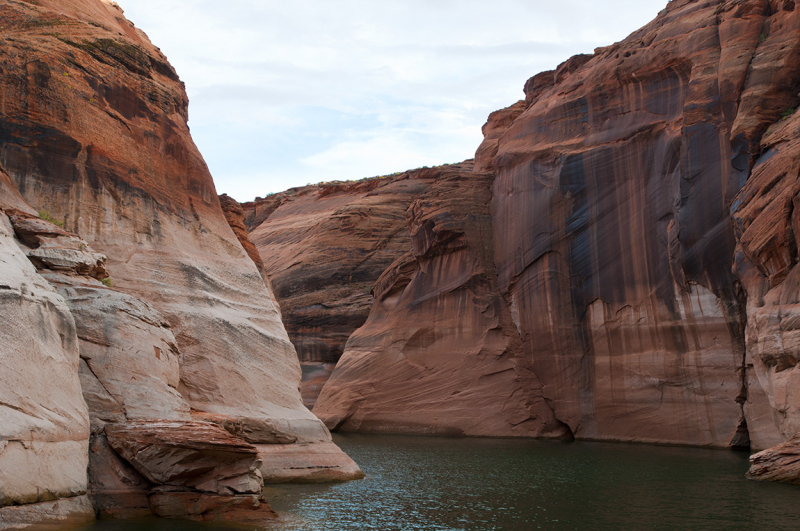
(287, 93)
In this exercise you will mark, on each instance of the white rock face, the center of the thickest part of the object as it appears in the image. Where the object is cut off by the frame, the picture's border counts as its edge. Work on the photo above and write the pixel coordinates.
(44, 422)
(235, 356)
(129, 351)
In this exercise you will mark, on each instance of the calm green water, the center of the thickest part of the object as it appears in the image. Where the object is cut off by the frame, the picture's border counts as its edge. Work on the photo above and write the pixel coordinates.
(487, 484)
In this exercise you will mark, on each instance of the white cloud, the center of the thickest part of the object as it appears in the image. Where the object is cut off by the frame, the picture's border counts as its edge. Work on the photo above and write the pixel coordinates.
(285, 93)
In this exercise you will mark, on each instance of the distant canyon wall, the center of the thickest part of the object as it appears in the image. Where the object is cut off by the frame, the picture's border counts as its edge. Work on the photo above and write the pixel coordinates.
(616, 264)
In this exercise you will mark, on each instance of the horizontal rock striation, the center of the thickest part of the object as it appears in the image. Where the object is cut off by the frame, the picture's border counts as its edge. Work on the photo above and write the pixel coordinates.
(323, 247)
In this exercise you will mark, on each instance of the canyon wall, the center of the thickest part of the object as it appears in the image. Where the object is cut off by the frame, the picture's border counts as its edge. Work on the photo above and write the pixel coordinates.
(323, 247)
(626, 272)
(146, 307)
(439, 353)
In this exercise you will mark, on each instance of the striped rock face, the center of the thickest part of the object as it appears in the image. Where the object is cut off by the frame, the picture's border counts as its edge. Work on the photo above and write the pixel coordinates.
(641, 240)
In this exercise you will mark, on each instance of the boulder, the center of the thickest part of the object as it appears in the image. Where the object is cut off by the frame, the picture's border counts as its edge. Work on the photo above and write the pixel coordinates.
(188, 454)
(781, 463)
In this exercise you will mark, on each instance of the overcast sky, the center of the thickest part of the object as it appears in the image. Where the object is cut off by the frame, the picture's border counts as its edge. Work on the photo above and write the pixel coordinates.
(285, 93)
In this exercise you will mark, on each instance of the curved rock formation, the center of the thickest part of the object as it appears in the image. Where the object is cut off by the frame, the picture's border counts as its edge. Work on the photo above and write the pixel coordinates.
(94, 131)
(439, 353)
(93, 136)
(323, 247)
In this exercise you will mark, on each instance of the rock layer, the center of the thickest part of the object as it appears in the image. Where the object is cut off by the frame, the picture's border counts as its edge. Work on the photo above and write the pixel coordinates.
(781, 463)
(93, 122)
(197, 455)
(93, 137)
(44, 423)
(323, 248)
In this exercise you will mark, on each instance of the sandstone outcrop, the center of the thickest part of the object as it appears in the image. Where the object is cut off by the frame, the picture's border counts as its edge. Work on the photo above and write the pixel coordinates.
(781, 463)
(439, 353)
(160, 312)
(766, 221)
(323, 247)
(196, 455)
(94, 131)
(44, 423)
(130, 359)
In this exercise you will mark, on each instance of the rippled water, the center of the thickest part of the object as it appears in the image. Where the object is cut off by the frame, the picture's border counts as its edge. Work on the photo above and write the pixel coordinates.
(488, 484)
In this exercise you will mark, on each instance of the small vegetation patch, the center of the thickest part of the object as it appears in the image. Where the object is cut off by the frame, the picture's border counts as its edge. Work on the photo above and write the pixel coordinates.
(45, 215)
(762, 37)
(787, 113)
(107, 282)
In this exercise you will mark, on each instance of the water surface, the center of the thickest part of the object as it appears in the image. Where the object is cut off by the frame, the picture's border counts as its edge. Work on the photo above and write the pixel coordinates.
(428, 483)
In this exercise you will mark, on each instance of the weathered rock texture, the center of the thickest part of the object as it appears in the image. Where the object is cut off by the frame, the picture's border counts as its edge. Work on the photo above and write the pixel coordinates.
(94, 130)
(323, 247)
(638, 230)
(614, 242)
(44, 423)
(439, 352)
(198, 455)
(781, 463)
(160, 313)
(766, 222)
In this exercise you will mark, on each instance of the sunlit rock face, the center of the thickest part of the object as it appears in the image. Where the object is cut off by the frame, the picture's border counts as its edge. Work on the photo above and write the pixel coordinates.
(44, 422)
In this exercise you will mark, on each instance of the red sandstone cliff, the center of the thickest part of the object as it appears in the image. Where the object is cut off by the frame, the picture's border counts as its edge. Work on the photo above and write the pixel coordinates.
(612, 249)
(181, 354)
